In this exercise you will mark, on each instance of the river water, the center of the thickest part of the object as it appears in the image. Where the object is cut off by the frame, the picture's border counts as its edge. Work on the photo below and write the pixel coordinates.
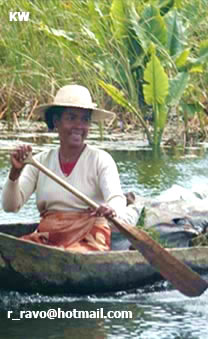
(157, 312)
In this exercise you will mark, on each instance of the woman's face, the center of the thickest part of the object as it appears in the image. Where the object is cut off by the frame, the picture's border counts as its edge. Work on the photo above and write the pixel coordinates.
(73, 126)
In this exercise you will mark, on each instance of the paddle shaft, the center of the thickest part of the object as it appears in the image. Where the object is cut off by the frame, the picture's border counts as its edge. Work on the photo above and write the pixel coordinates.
(63, 183)
(180, 275)
(30, 160)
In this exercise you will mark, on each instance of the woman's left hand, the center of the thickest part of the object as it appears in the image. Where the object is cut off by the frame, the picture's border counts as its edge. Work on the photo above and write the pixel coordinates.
(102, 211)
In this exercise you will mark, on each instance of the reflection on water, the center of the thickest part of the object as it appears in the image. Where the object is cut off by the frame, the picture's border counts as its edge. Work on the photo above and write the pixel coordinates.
(164, 314)
(147, 175)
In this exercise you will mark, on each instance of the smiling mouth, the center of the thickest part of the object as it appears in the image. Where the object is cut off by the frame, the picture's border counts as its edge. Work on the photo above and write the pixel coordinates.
(76, 135)
(77, 132)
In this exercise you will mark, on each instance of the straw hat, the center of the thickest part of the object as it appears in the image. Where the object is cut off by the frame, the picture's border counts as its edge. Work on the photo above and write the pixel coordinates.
(75, 96)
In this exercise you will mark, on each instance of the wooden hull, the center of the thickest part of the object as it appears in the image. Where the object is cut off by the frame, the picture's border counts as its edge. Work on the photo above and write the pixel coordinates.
(29, 267)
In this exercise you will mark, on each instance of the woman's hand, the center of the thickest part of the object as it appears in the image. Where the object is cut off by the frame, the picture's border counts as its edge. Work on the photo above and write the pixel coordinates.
(17, 160)
(102, 211)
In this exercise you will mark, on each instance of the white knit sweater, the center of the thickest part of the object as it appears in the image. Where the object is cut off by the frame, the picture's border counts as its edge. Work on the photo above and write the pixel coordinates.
(95, 174)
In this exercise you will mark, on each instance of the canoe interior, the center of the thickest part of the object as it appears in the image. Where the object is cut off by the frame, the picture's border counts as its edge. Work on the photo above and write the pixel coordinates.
(18, 229)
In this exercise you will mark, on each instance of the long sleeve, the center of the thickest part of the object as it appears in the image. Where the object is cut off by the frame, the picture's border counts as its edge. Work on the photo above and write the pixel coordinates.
(95, 175)
(111, 188)
(16, 193)
(109, 182)
(12, 199)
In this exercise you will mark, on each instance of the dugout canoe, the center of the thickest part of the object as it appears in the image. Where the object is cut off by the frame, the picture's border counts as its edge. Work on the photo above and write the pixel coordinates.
(29, 267)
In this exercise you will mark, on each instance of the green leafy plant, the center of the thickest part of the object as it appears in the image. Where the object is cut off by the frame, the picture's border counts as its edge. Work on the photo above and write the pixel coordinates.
(129, 46)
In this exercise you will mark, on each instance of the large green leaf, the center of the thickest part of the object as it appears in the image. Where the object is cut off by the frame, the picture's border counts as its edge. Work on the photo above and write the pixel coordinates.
(177, 87)
(191, 109)
(138, 28)
(176, 33)
(156, 89)
(155, 93)
(154, 25)
(119, 20)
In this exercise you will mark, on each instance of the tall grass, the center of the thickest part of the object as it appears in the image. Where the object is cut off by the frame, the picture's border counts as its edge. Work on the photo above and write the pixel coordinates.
(62, 43)
(36, 56)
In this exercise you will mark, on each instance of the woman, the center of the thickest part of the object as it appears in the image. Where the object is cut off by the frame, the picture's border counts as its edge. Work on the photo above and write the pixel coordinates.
(66, 221)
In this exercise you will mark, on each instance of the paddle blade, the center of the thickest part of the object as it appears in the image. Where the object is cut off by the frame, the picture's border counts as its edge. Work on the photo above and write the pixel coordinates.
(172, 269)
(180, 275)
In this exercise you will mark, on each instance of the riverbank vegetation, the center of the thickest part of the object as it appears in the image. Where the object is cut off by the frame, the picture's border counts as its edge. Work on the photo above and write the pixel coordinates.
(146, 60)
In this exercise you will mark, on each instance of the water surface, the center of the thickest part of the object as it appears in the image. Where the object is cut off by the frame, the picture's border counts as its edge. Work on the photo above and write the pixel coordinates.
(157, 312)
(164, 314)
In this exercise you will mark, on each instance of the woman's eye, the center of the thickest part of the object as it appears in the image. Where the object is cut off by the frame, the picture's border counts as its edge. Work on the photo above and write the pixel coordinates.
(71, 117)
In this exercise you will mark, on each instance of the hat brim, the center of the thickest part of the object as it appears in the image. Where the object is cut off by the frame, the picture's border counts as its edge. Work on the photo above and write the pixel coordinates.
(97, 114)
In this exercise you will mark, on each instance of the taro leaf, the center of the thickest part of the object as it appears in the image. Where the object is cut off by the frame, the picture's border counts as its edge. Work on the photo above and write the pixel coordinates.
(138, 29)
(190, 109)
(154, 25)
(177, 87)
(156, 89)
(176, 33)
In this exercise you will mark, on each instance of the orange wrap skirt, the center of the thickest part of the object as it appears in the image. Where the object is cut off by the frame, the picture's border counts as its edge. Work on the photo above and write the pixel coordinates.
(72, 231)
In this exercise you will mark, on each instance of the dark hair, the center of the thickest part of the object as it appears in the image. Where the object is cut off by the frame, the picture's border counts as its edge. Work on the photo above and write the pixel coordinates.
(51, 112)
(56, 112)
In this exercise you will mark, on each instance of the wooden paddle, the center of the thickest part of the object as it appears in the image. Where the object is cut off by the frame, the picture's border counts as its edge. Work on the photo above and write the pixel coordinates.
(180, 275)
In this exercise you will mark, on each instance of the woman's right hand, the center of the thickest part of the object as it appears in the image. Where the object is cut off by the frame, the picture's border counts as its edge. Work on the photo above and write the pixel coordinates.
(17, 160)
